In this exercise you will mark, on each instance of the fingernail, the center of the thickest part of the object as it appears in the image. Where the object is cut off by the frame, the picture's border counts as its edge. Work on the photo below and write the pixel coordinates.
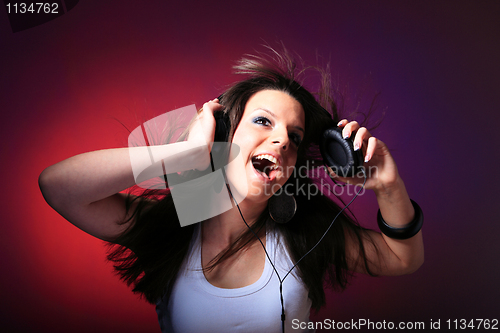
(340, 123)
(347, 136)
(356, 146)
(367, 158)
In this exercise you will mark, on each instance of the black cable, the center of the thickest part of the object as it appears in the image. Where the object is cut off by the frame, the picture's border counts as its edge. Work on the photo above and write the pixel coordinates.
(319, 241)
(330, 226)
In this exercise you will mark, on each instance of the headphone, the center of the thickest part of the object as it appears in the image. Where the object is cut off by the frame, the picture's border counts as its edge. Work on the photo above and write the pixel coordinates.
(338, 152)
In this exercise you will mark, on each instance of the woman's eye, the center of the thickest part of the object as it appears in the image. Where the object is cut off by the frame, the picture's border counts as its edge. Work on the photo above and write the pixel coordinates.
(296, 139)
(262, 121)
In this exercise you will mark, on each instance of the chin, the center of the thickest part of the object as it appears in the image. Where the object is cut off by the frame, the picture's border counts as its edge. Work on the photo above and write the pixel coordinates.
(251, 184)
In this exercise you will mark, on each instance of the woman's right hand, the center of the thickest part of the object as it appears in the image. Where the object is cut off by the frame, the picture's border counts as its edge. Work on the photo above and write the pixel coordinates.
(202, 130)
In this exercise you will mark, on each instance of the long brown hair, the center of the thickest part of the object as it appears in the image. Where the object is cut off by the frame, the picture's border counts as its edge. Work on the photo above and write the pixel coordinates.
(150, 253)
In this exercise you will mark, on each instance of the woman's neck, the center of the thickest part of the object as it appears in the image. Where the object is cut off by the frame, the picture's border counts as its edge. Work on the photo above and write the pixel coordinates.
(225, 228)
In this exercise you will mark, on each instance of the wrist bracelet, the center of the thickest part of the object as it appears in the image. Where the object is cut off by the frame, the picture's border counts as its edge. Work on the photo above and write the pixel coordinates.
(405, 232)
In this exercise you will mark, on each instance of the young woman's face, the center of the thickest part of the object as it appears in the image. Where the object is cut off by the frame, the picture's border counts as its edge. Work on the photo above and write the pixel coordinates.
(268, 135)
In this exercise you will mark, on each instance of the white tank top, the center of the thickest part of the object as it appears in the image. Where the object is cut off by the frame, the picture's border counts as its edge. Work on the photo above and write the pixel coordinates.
(196, 306)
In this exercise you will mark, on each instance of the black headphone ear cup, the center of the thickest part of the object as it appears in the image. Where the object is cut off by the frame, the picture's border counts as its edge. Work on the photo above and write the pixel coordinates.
(338, 153)
(221, 147)
(221, 126)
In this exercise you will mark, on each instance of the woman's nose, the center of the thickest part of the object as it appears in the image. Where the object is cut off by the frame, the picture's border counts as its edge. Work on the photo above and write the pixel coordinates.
(281, 138)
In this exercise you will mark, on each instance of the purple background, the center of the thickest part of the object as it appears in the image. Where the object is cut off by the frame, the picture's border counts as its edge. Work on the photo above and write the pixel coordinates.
(64, 84)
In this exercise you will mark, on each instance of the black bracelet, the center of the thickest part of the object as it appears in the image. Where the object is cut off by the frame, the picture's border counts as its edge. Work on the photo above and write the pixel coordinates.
(406, 232)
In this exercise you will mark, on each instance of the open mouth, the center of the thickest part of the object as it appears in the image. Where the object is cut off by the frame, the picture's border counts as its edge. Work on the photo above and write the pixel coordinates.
(265, 164)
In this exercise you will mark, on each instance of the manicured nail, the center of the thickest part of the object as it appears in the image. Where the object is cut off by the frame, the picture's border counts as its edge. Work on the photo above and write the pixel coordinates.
(347, 136)
(367, 158)
(356, 146)
(340, 123)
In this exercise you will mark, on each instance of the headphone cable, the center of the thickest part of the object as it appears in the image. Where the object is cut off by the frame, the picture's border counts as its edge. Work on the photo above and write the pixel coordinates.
(267, 254)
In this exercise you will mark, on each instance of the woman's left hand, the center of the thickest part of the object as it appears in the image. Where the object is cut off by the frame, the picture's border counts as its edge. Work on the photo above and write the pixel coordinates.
(380, 167)
(392, 256)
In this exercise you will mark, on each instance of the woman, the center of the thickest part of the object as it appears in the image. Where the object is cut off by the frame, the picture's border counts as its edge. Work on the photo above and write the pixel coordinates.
(216, 276)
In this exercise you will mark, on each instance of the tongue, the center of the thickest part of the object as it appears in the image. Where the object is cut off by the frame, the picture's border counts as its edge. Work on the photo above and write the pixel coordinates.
(269, 174)
(262, 173)
(272, 175)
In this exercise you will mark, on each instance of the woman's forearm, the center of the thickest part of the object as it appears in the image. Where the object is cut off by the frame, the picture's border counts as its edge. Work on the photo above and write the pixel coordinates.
(397, 211)
(85, 188)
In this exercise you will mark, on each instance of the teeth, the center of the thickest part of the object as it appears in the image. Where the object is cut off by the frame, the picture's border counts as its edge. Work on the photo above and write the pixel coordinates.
(269, 158)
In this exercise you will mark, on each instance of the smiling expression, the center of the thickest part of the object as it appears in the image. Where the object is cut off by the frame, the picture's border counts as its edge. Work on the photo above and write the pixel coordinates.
(268, 135)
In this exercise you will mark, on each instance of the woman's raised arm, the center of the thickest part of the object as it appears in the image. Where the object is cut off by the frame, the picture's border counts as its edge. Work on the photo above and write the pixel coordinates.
(385, 255)
(85, 189)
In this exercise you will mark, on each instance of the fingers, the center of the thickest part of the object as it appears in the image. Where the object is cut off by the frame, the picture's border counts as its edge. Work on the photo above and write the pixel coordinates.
(370, 150)
(348, 128)
(211, 106)
(362, 137)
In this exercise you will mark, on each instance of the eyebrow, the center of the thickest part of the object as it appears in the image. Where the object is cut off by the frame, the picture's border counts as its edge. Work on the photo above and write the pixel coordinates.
(274, 115)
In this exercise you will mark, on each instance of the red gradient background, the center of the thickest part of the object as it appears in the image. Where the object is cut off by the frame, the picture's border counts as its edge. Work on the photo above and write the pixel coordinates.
(66, 85)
